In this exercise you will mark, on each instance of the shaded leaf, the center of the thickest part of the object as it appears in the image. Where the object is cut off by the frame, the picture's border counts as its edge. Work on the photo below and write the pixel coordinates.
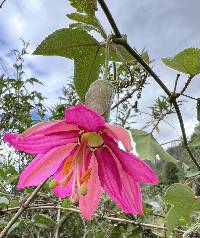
(12, 179)
(135, 233)
(100, 234)
(4, 202)
(196, 141)
(43, 221)
(3, 223)
(115, 55)
(117, 232)
(147, 147)
(197, 130)
(183, 202)
(15, 226)
(187, 61)
(14, 203)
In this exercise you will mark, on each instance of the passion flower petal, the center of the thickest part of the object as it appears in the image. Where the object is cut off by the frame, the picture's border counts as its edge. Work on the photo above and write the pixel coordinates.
(85, 118)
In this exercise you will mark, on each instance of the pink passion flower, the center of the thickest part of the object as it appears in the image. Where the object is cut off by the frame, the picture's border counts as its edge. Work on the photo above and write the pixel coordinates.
(82, 155)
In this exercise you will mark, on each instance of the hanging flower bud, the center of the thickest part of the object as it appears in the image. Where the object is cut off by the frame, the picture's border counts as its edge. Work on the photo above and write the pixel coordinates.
(99, 97)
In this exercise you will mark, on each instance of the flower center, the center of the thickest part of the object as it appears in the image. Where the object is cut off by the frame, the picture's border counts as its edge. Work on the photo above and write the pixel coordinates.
(94, 140)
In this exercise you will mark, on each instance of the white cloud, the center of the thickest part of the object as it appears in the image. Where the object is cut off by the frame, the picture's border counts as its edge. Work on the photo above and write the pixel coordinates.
(163, 27)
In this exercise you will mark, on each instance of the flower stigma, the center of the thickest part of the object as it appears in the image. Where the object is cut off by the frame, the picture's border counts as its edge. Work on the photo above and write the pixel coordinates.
(94, 139)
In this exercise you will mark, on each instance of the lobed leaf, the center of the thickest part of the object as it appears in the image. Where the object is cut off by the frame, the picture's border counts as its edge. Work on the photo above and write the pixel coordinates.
(147, 147)
(187, 61)
(76, 44)
(87, 53)
(183, 201)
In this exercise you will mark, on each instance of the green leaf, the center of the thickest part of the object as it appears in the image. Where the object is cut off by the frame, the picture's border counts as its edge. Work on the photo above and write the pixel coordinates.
(147, 147)
(12, 179)
(43, 221)
(87, 6)
(121, 52)
(17, 224)
(33, 81)
(192, 173)
(78, 45)
(196, 141)
(187, 61)
(2, 174)
(3, 223)
(145, 57)
(14, 203)
(117, 231)
(86, 19)
(4, 202)
(87, 53)
(183, 202)
(11, 170)
(100, 234)
(135, 233)
(196, 138)
(197, 130)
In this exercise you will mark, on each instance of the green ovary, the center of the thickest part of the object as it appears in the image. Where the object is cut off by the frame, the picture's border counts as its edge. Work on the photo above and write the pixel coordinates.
(94, 139)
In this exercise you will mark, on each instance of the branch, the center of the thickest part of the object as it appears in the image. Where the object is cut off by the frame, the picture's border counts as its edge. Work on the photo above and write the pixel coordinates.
(176, 82)
(124, 43)
(109, 16)
(128, 95)
(20, 211)
(1, 5)
(171, 141)
(188, 96)
(111, 218)
(186, 84)
(62, 221)
(185, 142)
(56, 235)
(130, 49)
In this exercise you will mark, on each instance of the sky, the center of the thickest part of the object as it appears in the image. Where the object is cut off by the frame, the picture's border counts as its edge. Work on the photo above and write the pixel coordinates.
(164, 28)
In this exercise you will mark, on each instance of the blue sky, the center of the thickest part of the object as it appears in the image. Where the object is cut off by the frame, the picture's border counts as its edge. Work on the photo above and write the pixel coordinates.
(163, 27)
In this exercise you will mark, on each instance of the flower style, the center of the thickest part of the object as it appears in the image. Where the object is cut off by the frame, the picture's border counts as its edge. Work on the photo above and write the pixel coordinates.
(82, 155)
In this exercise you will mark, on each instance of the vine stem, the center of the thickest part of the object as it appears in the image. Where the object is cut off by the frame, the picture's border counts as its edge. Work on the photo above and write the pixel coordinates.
(186, 84)
(109, 38)
(1, 5)
(23, 207)
(56, 235)
(188, 96)
(111, 218)
(185, 142)
(125, 44)
(176, 82)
